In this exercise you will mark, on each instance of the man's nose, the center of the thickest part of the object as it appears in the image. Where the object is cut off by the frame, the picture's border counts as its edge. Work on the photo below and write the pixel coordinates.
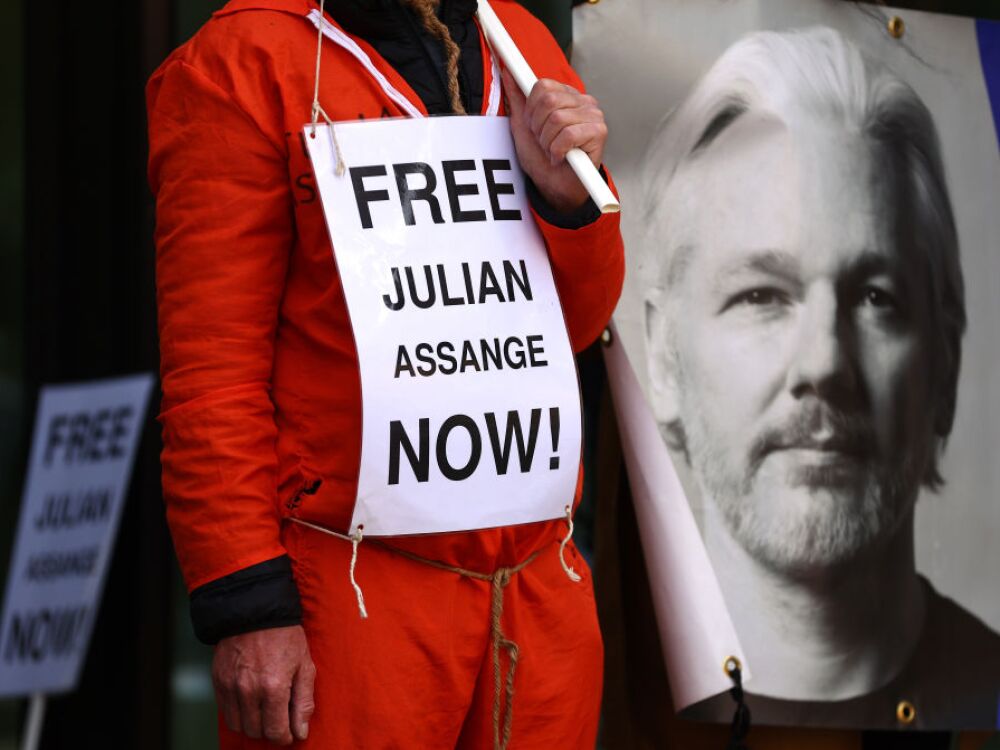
(823, 362)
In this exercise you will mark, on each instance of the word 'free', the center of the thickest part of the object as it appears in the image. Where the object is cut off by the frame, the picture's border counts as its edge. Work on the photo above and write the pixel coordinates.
(89, 437)
(418, 182)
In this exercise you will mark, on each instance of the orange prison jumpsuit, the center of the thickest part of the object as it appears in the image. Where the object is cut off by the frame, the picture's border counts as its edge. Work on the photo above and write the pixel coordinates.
(261, 398)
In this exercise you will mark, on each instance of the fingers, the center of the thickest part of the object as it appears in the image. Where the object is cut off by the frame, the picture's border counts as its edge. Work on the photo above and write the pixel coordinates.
(561, 118)
(303, 704)
(274, 712)
(229, 707)
(225, 693)
(589, 137)
(248, 699)
(550, 99)
(258, 708)
(253, 675)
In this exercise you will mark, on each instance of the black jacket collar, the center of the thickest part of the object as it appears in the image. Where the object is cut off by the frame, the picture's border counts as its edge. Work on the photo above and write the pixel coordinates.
(386, 19)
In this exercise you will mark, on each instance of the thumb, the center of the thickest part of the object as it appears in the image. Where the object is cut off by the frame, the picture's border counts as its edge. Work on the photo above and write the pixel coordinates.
(302, 703)
(515, 97)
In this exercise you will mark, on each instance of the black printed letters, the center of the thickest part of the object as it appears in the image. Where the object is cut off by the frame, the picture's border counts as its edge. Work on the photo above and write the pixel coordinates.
(511, 440)
(416, 186)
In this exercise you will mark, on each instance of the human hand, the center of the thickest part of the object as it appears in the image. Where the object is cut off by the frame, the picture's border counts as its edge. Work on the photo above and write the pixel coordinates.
(264, 683)
(553, 119)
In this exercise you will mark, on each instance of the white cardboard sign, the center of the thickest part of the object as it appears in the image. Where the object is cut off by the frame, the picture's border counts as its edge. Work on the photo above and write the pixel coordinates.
(471, 406)
(82, 453)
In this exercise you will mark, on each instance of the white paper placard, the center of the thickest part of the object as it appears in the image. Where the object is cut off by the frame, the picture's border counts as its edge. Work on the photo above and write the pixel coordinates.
(82, 453)
(471, 406)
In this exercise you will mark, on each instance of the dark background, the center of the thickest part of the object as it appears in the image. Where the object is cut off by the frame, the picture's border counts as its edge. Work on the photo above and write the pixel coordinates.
(77, 302)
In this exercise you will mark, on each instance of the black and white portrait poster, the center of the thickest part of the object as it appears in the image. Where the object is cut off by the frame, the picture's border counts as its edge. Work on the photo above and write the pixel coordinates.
(811, 208)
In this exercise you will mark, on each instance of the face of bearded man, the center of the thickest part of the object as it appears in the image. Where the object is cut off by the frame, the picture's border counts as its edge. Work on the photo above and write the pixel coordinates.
(795, 364)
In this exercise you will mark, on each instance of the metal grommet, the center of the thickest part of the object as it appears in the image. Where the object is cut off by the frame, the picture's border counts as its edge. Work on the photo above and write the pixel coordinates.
(896, 27)
(593, 2)
(731, 665)
(906, 713)
(607, 338)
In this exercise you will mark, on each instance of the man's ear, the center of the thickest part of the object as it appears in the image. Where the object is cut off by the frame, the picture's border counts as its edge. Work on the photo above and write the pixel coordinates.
(660, 364)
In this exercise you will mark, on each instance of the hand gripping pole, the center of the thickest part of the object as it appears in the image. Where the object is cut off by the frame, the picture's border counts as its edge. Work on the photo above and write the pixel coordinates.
(504, 46)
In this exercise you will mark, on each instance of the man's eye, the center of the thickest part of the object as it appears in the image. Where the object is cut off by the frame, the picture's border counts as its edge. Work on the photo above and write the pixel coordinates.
(761, 296)
(878, 298)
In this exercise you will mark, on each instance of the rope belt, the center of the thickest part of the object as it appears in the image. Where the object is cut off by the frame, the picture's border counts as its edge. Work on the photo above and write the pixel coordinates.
(503, 689)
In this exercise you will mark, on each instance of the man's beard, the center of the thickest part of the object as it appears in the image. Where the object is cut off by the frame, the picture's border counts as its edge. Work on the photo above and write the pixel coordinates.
(847, 511)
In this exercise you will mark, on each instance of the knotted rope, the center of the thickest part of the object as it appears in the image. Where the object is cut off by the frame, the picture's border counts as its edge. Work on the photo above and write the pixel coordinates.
(568, 569)
(503, 688)
(356, 538)
(426, 11)
(318, 110)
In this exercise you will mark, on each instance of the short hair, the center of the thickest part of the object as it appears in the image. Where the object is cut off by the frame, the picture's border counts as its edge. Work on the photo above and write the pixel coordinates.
(818, 72)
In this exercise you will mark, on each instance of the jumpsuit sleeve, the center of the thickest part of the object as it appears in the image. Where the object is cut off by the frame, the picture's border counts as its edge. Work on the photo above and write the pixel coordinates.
(224, 233)
(588, 265)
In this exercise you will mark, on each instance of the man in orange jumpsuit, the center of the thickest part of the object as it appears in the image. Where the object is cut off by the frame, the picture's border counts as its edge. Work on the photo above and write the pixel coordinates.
(261, 406)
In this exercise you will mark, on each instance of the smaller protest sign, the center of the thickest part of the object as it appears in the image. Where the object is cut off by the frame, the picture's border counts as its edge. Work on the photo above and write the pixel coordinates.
(82, 453)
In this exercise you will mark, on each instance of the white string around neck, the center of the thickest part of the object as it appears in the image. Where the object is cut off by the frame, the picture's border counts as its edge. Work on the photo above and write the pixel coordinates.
(338, 37)
(318, 110)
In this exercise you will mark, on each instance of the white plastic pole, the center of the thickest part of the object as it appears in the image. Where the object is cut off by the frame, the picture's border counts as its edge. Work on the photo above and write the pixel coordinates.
(33, 726)
(504, 46)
